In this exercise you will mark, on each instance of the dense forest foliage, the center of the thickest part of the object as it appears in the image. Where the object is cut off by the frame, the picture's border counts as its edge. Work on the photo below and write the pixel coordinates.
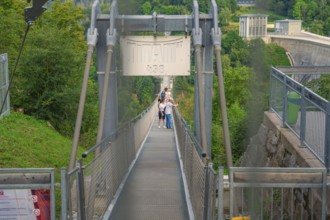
(49, 74)
(313, 13)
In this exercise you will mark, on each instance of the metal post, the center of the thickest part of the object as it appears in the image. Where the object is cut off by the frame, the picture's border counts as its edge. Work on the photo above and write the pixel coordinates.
(285, 101)
(64, 195)
(271, 84)
(206, 190)
(231, 191)
(327, 138)
(324, 186)
(197, 38)
(6, 98)
(302, 117)
(81, 192)
(52, 198)
(220, 194)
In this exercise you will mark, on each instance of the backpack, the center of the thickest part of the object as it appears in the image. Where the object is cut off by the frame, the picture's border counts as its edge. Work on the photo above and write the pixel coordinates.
(162, 95)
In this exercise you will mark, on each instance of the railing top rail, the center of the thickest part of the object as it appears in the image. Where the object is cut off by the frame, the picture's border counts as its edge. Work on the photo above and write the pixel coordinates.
(278, 169)
(277, 177)
(301, 89)
(304, 69)
(26, 170)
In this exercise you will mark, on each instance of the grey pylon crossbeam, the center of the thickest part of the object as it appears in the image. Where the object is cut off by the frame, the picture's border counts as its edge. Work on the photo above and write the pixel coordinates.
(164, 23)
(159, 23)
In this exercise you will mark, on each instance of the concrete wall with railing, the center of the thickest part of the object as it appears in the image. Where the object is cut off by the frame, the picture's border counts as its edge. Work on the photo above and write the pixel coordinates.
(277, 146)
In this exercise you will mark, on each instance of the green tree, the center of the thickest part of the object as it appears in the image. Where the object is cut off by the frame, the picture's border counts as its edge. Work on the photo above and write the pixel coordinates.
(317, 26)
(237, 82)
(12, 28)
(146, 8)
(224, 17)
(312, 11)
(326, 27)
(300, 10)
(235, 47)
(50, 72)
(324, 89)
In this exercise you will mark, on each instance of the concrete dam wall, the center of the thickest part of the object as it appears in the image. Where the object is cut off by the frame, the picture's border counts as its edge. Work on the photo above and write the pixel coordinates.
(305, 49)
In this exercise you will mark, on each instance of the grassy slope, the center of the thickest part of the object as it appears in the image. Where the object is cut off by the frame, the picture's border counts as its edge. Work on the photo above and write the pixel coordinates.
(29, 143)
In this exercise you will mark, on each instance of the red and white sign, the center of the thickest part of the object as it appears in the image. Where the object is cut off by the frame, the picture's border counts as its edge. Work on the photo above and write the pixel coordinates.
(25, 204)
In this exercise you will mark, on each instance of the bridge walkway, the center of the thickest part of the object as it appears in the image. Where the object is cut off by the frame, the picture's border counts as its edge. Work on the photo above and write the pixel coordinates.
(154, 188)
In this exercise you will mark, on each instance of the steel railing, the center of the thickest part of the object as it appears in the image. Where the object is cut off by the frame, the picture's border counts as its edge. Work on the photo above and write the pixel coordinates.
(200, 176)
(278, 193)
(303, 111)
(92, 185)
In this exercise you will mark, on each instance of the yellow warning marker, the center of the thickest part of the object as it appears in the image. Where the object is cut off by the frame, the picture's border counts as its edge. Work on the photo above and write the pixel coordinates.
(241, 218)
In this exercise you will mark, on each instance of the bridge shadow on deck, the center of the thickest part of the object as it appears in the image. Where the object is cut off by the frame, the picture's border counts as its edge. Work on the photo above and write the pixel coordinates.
(154, 188)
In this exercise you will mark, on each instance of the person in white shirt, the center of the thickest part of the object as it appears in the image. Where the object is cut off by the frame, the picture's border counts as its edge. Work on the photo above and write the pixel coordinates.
(168, 112)
(161, 113)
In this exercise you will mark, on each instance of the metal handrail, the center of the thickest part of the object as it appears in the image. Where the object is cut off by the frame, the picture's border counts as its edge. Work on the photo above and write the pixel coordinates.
(314, 134)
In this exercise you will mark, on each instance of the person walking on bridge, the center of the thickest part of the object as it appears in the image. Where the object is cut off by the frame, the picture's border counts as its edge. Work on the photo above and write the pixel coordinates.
(168, 112)
(161, 112)
(163, 94)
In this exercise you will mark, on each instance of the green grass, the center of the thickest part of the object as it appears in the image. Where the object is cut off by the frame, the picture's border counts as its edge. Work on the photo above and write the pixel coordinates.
(26, 142)
(30, 143)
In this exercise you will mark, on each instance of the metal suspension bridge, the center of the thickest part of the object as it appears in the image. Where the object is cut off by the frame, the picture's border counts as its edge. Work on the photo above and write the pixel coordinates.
(155, 186)
(138, 171)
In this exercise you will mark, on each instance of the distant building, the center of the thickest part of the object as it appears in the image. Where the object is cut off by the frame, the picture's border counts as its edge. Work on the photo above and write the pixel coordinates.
(288, 27)
(253, 25)
(246, 2)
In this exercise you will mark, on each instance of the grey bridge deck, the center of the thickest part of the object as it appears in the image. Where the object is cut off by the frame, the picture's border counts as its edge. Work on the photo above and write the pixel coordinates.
(154, 188)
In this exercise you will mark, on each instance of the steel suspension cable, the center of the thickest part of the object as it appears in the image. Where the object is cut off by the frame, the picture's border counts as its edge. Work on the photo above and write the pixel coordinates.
(223, 106)
(201, 98)
(81, 108)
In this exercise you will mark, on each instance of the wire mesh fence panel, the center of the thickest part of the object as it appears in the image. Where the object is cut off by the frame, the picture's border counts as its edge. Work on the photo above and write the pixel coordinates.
(142, 125)
(315, 129)
(296, 193)
(212, 192)
(72, 194)
(97, 184)
(276, 98)
(197, 190)
(107, 164)
(293, 111)
(200, 177)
